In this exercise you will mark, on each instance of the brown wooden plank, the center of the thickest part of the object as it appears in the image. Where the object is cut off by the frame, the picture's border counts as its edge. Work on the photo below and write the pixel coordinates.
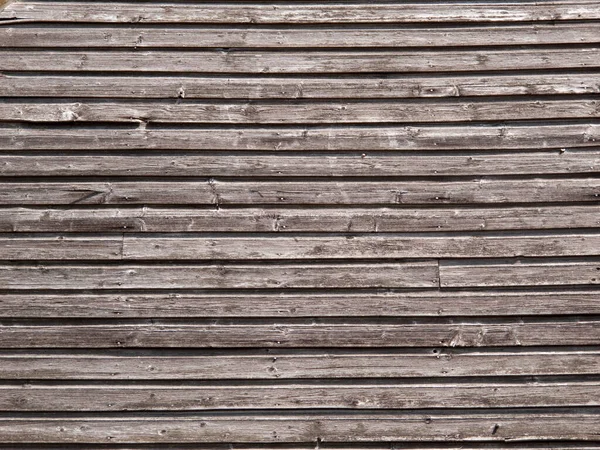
(155, 397)
(326, 165)
(287, 37)
(431, 426)
(287, 13)
(324, 138)
(316, 304)
(282, 364)
(519, 273)
(413, 274)
(156, 333)
(295, 87)
(313, 61)
(296, 113)
(157, 219)
(215, 193)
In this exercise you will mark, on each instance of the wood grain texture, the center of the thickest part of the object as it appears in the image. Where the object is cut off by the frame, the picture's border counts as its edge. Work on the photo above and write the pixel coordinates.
(310, 137)
(281, 220)
(410, 274)
(430, 303)
(298, 113)
(194, 364)
(325, 12)
(520, 273)
(288, 37)
(297, 87)
(305, 62)
(281, 334)
(371, 164)
(156, 397)
(425, 427)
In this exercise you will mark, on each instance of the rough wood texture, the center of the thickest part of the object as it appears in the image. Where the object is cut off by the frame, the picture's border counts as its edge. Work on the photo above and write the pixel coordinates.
(300, 225)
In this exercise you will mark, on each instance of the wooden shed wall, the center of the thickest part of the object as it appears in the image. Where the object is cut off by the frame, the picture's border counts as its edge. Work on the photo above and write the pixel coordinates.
(293, 225)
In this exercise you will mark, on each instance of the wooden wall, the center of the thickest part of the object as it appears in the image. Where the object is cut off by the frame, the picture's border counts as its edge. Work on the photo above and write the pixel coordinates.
(357, 225)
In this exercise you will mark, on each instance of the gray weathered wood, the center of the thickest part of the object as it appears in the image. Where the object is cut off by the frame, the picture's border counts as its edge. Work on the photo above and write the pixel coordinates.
(413, 274)
(314, 61)
(61, 247)
(358, 395)
(519, 273)
(296, 113)
(294, 87)
(185, 219)
(325, 12)
(297, 364)
(288, 37)
(335, 427)
(216, 192)
(315, 304)
(309, 137)
(363, 333)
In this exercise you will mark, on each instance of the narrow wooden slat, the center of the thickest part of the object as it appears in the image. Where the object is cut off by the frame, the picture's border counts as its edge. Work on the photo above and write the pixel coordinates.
(281, 364)
(414, 274)
(308, 334)
(132, 12)
(60, 247)
(496, 426)
(281, 138)
(520, 273)
(287, 37)
(314, 61)
(156, 219)
(326, 165)
(217, 193)
(153, 397)
(296, 113)
(293, 87)
(249, 304)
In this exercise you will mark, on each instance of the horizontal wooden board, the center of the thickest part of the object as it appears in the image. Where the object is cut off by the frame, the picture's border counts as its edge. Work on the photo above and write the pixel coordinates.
(309, 137)
(60, 247)
(154, 333)
(181, 220)
(519, 273)
(313, 61)
(215, 193)
(430, 426)
(256, 13)
(414, 274)
(281, 364)
(296, 113)
(288, 37)
(156, 397)
(296, 87)
(316, 304)
(282, 165)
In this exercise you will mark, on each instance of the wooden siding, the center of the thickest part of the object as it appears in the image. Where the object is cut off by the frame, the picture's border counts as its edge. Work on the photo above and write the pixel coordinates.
(261, 225)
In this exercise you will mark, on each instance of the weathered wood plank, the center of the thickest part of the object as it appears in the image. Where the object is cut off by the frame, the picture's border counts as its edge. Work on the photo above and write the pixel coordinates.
(215, 193)
(309, 137)
(316, 304)
(432, 426)
(282, 165)
(61, 247)
(297, 112)
(156, 397)
(313, 61)
(294, 87)
(280, 334)
(287, 37)
(414, 274)
(281, 364)
(162, 247)
(252, 13)
(180, 220)
(519, 273)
